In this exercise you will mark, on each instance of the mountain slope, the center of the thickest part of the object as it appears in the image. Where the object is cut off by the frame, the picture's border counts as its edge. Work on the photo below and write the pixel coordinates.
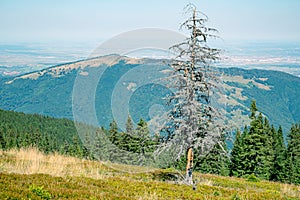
(51, 91)
(277, 93)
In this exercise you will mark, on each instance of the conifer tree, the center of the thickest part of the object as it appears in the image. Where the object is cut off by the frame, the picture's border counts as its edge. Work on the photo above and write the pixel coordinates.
(268, 135)
(75, 148)
(129, 126)
(236, 168)
(102, 145)
(88, 148)
(293, 155)
(216, 161)
(193, 123)
(64, 149)
(113, 132)
(2, 142)
(143, 134)
(142, 129)
(254, 151)
(253, 109)
(278, 170)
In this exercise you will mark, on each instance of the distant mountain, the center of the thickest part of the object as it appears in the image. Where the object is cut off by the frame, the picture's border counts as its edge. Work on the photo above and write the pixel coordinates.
(277, 93)
(76, 88)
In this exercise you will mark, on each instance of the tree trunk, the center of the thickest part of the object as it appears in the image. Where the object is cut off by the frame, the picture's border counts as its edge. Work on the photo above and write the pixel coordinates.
(189, 166)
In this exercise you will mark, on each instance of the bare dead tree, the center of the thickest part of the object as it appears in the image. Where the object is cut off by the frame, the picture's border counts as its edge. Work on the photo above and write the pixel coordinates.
(194, 123)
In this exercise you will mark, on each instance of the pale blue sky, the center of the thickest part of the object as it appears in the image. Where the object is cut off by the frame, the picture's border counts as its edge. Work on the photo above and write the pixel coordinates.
(79, 20)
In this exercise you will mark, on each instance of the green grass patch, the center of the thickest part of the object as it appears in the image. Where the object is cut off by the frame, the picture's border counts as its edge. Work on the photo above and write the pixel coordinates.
(82, 179)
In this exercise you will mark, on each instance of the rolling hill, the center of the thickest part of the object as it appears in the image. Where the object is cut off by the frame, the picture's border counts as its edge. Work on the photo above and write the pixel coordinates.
(99, 89)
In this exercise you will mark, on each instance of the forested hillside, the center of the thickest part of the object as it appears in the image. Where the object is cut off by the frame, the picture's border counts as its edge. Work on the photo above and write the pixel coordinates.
(276, 93)
(50, 91)
(19, 130)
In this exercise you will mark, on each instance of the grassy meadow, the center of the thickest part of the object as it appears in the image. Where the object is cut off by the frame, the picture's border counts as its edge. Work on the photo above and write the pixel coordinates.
(30, 174)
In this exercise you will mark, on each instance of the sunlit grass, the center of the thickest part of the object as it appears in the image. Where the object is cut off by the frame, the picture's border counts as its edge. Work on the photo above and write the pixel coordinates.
(72, 178)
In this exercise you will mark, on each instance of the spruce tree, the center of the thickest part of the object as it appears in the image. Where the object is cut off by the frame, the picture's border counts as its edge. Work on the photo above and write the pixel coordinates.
(88, 148)
(142, 129)
(102, 145)
(257, 157)
(129, 126)
(144, 139)
(293, 155)
(116, 154)
(2, 142)
(236, 168)
(216, 161)
(254, 152)
(268, 135)
(113, 132)
(75, 148)
(278, 170)
(193, 123)
(253, 109)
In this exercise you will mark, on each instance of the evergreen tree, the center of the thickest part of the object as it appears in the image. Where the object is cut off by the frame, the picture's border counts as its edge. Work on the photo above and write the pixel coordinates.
(10, 139)
(268, 135)
(113, 132)
(256, 158)
(143, 143)
(102, 145)
(45, 144)
(88, 148)
(236, 168)
(143, 135)
(253, 109)
(117, 154)
(75, 148)
(142, 129)
(278, 170)
(255, 153)
(2, 142)
(64, 149)
(216, 161)
(19, 130)
(293, 155)
(129, 126)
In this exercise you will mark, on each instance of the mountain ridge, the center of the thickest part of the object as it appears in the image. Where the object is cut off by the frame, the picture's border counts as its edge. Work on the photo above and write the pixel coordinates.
(49, 91)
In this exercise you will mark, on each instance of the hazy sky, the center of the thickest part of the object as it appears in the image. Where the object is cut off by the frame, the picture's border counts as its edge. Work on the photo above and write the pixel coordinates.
(79, 20)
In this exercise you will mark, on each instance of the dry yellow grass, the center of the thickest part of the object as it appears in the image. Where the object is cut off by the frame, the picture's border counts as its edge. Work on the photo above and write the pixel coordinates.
(108, 60)
(287, 190)
(32, 161)
(79, 179)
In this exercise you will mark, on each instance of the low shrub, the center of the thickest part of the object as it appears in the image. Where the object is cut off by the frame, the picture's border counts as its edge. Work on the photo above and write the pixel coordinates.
(40, 191)
(252, 178)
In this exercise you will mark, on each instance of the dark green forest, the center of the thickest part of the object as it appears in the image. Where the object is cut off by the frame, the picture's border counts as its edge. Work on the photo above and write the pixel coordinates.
(19, 130)
(259, 149)
(52, 95)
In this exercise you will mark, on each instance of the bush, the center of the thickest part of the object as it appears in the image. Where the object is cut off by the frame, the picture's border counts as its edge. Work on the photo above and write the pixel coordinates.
(252, 178)
(39, 191)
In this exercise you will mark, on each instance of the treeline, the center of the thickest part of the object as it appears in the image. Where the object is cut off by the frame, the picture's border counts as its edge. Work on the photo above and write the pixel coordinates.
(134, 146)
(19, 130)
(259, 149)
